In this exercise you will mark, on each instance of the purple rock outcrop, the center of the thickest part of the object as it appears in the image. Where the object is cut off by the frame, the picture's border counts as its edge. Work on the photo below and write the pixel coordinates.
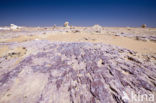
(80, 73)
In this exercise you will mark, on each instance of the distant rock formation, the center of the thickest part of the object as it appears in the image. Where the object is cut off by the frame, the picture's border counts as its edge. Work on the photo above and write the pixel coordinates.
(66, 24)
(97, 28)
(144, 26)
(14, 27)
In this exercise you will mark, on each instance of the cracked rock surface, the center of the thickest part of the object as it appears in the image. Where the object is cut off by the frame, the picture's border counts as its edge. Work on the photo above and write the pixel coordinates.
(76, 73)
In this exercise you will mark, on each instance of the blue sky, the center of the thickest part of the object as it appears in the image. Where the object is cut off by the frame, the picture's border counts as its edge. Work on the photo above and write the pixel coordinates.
(78, 12)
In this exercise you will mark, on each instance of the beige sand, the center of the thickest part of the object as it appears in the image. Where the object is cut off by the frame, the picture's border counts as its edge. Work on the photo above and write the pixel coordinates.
(85, 35)
(125, 42)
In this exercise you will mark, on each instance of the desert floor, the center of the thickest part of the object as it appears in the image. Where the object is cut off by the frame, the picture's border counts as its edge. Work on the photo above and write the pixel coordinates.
(74, 64)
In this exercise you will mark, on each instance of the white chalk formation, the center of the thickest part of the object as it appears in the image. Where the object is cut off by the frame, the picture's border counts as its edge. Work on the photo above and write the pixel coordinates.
(66, 24)
(97, 28)
(14, 27)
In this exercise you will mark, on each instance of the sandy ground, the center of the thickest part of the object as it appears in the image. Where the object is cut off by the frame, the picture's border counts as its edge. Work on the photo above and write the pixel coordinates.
(106, 37)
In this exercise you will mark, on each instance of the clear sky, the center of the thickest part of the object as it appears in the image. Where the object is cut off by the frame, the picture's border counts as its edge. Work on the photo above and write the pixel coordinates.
(78, 12)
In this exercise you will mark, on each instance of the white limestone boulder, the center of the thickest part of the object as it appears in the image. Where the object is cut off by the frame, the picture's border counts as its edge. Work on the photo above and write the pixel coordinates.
(14, 27)
(66, 24)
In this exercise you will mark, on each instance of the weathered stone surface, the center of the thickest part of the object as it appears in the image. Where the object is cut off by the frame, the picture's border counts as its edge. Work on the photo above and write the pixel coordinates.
(76, 73)
(145, 38)
(138, 37)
